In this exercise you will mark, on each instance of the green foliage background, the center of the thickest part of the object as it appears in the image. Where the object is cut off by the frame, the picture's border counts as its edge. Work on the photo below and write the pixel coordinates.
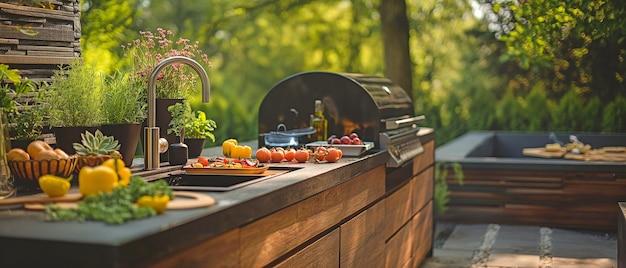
(559, 68)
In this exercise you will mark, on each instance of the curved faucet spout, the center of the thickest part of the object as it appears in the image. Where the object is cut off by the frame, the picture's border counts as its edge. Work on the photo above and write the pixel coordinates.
(151, 132)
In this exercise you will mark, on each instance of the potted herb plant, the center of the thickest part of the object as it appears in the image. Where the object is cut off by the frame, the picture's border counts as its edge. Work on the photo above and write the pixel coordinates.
(174, 83)
(25, 118)
(123, 110)
(181, 116)
(197, 131)
(8, 104)
(73, 101)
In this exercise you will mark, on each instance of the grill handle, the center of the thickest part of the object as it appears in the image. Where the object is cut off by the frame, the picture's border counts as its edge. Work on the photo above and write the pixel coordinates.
(399, 123)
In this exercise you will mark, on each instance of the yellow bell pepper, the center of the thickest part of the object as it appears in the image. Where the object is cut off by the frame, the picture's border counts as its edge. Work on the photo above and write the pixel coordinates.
(54, 186)
(158, 203)
(120, 168)
(92, 181)
(228, 147)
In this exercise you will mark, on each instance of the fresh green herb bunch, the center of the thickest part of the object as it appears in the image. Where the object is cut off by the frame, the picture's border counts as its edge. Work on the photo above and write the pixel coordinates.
(200, 127)
(97, 144)
(115, 207)
(181, 116)
(8, 96)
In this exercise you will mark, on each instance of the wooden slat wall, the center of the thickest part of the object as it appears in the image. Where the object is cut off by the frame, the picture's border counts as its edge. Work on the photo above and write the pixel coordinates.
(551, 198)
(37, 41)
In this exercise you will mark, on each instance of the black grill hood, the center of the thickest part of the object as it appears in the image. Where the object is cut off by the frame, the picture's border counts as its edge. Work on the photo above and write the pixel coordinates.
(352, 103)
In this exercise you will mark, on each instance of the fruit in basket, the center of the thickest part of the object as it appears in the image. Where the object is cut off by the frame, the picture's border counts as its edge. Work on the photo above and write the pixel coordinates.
(37, 146)
(46, 155)
(54, 186)
(61, 153)
(17, 154)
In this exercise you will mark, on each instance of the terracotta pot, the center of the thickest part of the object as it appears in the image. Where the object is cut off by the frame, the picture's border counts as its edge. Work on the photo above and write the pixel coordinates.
(128, 137)
(195, 146)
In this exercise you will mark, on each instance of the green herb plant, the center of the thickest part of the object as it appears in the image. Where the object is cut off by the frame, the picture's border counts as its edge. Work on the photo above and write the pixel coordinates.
(200, 127)
(8, 95)
(115, 207)
(123, 100)
(181, 117)
(74, 97)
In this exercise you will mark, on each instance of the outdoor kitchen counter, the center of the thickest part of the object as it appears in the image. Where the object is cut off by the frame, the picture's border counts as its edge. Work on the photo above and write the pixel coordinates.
(26, 239)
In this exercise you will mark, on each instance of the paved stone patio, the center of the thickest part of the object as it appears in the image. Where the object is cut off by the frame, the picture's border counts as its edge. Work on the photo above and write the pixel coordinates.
(499, 246)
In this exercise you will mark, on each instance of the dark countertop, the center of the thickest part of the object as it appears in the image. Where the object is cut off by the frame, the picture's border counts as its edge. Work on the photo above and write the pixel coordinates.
(25, 238)
(481, 149)
(26, 232)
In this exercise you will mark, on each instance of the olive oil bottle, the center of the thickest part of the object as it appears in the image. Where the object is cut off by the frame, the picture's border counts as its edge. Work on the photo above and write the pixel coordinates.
(319, 123)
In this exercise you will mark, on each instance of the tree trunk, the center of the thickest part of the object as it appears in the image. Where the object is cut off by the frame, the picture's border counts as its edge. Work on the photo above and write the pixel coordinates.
(395, 28)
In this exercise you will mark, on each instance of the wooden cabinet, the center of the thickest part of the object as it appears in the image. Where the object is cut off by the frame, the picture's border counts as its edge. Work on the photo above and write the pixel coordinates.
(354, 224)
(324, 252)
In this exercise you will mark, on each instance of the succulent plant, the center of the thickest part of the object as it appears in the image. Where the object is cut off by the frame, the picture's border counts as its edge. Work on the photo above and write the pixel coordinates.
(97, 144)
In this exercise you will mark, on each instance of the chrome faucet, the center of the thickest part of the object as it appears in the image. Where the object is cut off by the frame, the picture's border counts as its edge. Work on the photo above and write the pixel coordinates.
(151, 132)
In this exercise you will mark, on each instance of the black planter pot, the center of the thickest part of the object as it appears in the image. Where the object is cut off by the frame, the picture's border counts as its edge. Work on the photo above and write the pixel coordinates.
(128, 137)
(195, 146)
(178, 153)
(163, 118)
(67, 136)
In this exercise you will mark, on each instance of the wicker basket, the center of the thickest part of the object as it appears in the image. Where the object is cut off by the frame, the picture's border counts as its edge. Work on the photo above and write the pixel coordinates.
(27, 172)
(91, 161)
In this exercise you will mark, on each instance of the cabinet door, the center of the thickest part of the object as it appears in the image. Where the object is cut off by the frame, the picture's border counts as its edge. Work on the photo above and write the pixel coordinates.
(362, 238)
(323, 253)
(220, 251)
(398, 249)
(423, 233)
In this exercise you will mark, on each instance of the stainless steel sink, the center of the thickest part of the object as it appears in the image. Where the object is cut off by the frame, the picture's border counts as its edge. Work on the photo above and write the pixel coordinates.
(221, 182)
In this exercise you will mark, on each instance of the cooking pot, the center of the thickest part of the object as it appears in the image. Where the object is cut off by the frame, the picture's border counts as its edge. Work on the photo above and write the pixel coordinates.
(284, 138)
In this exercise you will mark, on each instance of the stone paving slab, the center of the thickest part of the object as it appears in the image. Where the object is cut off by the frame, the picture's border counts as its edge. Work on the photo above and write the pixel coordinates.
(500, 246)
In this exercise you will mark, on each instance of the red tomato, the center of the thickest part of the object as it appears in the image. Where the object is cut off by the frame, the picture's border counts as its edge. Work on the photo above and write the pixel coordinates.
(332, 155)
(277, 156)
(302, 155)
(320, 153)
(290, 154)
(202, 160)
(263, 155)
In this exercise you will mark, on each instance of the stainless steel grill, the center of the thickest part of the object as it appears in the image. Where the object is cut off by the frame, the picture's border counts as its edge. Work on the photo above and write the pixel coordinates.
(372, 106)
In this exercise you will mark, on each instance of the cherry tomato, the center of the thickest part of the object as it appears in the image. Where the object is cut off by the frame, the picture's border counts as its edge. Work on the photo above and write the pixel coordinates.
(202, 160)
(332, 155)
(277, 156)
(320, 153)
(263, 155)
(302, 155)
(340, 152)
(290, 154)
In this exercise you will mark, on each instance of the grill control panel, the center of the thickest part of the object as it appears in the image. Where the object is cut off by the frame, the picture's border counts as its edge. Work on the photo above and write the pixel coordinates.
(401, 147)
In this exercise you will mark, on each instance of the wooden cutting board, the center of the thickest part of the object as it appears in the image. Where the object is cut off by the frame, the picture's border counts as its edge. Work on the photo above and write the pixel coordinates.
(541, 152)
(182, 200)
(608, 157)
